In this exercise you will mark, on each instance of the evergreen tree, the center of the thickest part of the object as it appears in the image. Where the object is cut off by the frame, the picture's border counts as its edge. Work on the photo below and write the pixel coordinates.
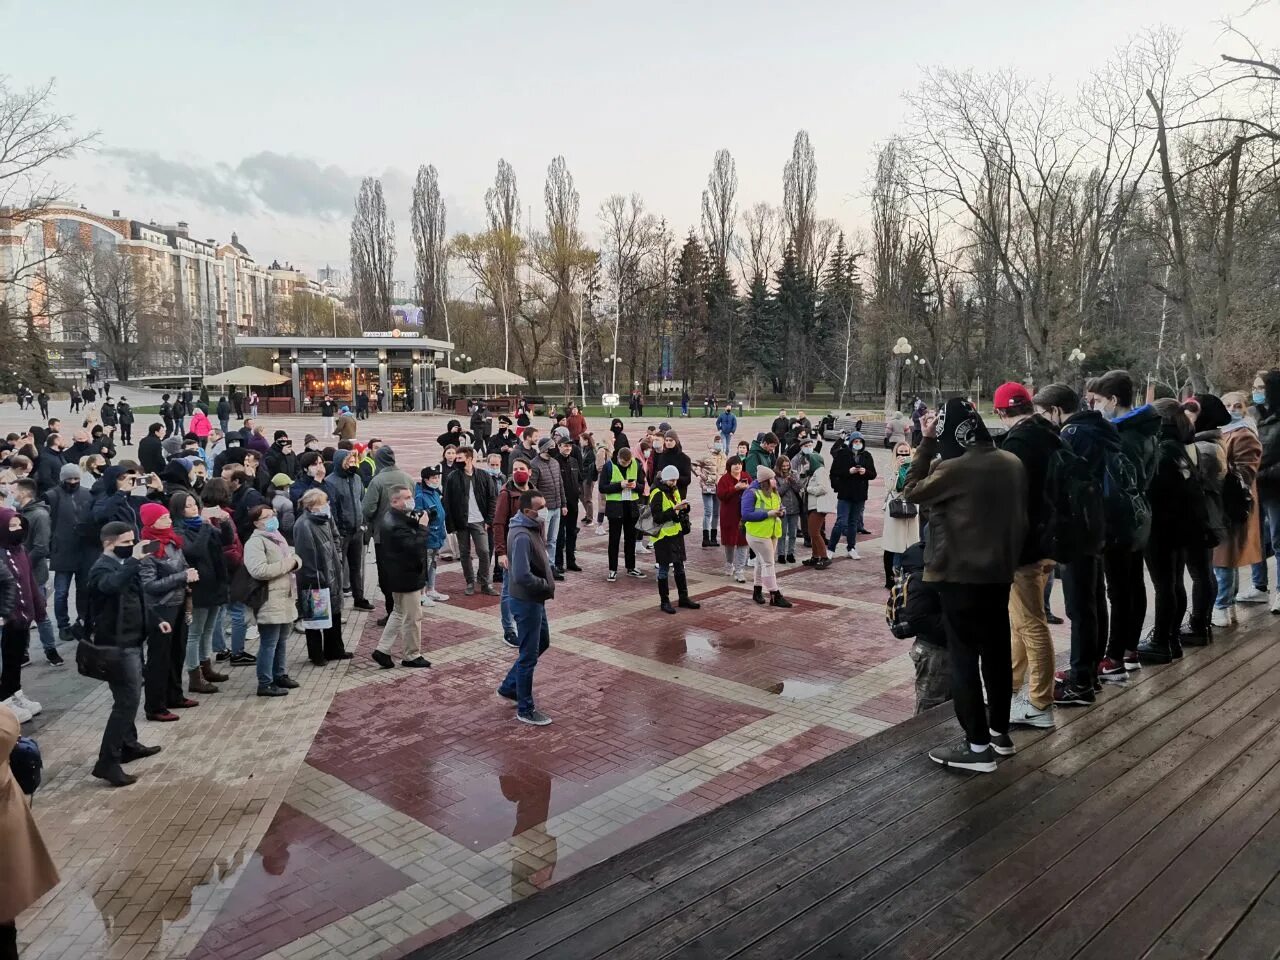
(725, 351)
(760, 339)
(689, 326)
(794, 315)
(838, 316)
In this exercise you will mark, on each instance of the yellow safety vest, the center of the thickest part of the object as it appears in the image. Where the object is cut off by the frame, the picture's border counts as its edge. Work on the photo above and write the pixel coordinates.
(672, 527)
(629, 474)
(770, 528)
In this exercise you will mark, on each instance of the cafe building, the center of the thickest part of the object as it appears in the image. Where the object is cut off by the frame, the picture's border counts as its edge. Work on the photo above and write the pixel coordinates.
(402, 362)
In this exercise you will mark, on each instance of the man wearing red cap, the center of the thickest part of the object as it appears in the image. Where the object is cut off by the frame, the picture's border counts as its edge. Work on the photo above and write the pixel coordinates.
(1033, 440)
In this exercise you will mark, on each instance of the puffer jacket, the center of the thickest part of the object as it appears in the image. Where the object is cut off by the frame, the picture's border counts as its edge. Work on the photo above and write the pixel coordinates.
(346, 493)
(428, 499)
(549, 481)
(267, 560)
(164, 576)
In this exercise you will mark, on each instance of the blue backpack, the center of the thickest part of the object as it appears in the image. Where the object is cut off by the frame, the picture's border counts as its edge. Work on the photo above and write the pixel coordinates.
(26, 764)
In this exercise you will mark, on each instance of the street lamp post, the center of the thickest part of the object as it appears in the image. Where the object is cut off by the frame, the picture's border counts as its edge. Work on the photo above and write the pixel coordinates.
(900, 351)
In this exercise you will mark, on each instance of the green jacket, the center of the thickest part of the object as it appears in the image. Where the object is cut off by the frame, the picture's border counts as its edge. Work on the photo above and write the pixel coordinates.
(758, 456)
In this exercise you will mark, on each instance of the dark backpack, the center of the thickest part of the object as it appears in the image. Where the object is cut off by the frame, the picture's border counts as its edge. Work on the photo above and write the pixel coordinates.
(914, 608)
(1183, 488)
(1124, 506)
(26, 764)
(1075, 521)
(1237, 498)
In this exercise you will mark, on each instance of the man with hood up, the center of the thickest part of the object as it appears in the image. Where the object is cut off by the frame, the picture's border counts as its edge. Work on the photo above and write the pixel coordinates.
(971, 553)
(281, 458)
(454, 435)
(1139, 430)
(346, 494)
(376, 503)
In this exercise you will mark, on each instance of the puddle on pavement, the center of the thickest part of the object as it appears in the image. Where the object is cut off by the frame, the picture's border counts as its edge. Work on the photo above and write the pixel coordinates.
(703, 644)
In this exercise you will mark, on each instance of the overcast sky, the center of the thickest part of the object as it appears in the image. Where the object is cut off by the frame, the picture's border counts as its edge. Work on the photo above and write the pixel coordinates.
(262, 117)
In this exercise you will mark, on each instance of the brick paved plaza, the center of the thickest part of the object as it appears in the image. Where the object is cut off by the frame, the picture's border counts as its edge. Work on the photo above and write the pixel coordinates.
(373, 811)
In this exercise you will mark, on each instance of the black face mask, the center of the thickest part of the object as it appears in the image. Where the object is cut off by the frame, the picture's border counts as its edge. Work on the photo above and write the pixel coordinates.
(71, 485)
(197, 483)
(123, 551)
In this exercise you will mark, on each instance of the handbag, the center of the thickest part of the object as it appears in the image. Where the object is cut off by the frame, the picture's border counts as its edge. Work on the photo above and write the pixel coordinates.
(96, 662)
(645, 524)
(246, 589)
(900, 509)
(317, 609)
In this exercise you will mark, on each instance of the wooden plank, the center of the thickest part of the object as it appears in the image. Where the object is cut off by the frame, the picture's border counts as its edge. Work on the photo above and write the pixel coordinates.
(1148, 915)
(957, 907)
(1257, 935)
(878, 921)
(1209, 920)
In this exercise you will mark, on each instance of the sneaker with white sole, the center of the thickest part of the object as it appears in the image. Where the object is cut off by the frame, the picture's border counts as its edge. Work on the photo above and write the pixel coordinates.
(1252, 594)
(751, 563)
(962, 757)
(853, 554)
(612, 577)
(1221, 617)
(426, 601)
(740, 577)
(599, 529)
(437, 596)
(21, 712)
(533, 717)
(1002, 743)
(31, 706)
(1275, 601)
(1023, 713)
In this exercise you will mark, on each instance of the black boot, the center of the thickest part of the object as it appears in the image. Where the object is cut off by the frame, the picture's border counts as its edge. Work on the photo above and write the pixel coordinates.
(682, 587)
(715, 537)
(758, 595)
(706, 539)
(888, 570)
(1154, 649)
(1195, 634)
(665, 594)
(776, 599)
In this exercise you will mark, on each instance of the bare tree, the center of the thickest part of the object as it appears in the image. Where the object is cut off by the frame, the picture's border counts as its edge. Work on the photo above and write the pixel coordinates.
(799, 202)
(720, 210)
(431, 249)
(373, 255)
(103, 291)
(762, 226)
(630, 236)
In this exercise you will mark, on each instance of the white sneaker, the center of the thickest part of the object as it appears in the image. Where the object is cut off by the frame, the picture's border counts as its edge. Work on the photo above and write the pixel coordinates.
(437, 596)
(426, 601)
(21, 712)
(1251, 594)
(643, 545)
(1275, 600)
(751, 563)
(599, 529)
(739, 577)
(251, 632)
(853, 553)
(728, 569)
(1023, 714)
(27, 703)
(1221, 617)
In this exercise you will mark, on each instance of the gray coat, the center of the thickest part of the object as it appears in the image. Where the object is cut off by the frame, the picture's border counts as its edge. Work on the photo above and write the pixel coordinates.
(377, 499)
(37, 543)
(316, 543)
(164, 577)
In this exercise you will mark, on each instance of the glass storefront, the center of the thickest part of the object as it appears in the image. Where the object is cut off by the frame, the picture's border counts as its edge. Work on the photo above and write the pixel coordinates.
(401, 388)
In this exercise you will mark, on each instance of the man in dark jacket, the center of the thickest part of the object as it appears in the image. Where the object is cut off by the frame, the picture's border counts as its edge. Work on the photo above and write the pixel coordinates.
(530, 584)
(852, 470)
(50, 463)
(223, 413)
(244, 497)
(480, 424)
(281, 458)
(1139, 430)
(570, 459)
(527, 449)
(118, 619)
(548, 481)
(150, 451)
(72, 532)
(971, 553)
(507, 505)
(781, 425)
(468, 513)
(454, 436)
(124, 417)
(37, 542)
(1034, 441)
(504, 442)
(346, 494)
(1266, 398)
(402, 540)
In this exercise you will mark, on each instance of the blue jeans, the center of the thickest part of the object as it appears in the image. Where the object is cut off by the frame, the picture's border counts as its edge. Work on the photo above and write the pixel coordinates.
(535, 637)
(553, 530)
(1269, 517)
(271, 652)
(225, 425)
(727, 439)
(61, 591)
(238, 627)
(790, 527)
(206, 623)
(1228, 583)
(505, 606)
(848, 520)
(44, 628)
(710, 512)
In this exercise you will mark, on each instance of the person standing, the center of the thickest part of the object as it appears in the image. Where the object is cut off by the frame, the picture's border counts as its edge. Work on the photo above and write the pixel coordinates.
(569, 458)
(709, 469)
(548, 481)
(428, 498)
(165, 578)
(345, 488)
(253, 403)
(346, 427)
(971, 553)
(70, 516)
(820, 502)
(900, 533)
(506, 508)
(43, 399)
(1243, 544)
(267, 557)
(223, 410)
(762, 513)
(622, 485)
(727, 425)
(75, 398)
(377, 501)
(791, 489)
(530, 586)
(35, 516)
(327, 410)
(27, 608)
(670, 511)
(203, 546)
(403, 541)
(1208, 415)
(468, 513)
(729, 490)
(852, 470)
(1266, 397)
(315, 539)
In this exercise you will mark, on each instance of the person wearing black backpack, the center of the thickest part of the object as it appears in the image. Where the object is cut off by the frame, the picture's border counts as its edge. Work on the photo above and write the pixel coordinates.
(1033, 440)
(1208, 415)
(1126, 538)
(1180, 523)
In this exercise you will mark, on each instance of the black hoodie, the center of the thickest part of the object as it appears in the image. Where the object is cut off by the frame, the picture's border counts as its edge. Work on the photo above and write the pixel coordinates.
(1139, 437)
(1034, 441)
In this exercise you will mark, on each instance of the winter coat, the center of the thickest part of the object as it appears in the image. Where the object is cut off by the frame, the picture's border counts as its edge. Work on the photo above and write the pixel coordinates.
(377, 496)
(528, 566)
(1034, 442)
(346, 427)
(267, 560)
(757, 457)
(280, 462)
(223, 410)
(731, 534)
(662, 503)
(851, 486)
(454, 438)
(315, 540)
(611, 475)
(900, 533)
(968, 541)
(619, 440)
(200, 424)
(117, 609)
(1211, 464)
(576, 424)
(117, 506)
(820, 495)
(28, 604)
(151, 454)
(404, 552)
(39, 539)
(164, 576)
(285, 513)
(727, 422)
(506, 506)
(675, 457)
(346, 494)
(896, 429)
(48, 465)
(1243, 543)
(780, 427)
(791, 489)
(503, 438)
(457, 490)
(108, 414)
(549, 481)
(428, 500)
(203, 549)
(29, 872)
(1139, 432)
(708, 471)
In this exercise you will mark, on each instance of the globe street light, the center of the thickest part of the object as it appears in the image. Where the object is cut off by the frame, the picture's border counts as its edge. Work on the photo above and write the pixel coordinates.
(900, 350)
(614, 360)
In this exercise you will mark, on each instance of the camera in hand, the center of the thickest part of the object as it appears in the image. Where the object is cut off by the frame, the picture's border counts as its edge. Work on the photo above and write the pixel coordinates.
(415, 515)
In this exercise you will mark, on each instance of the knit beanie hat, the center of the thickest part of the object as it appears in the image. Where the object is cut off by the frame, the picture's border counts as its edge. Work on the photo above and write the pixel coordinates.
(281, 480)
(764, 473)
(1213, 412)
(69, 471)
(150, 513)
(668, 474)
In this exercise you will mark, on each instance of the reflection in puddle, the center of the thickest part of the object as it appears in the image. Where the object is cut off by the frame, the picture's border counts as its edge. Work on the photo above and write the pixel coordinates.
(704, 644)
(798, 689)
(534, 851)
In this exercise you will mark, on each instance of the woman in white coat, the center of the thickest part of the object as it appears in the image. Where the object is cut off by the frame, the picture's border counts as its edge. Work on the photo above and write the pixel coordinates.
(900, 533)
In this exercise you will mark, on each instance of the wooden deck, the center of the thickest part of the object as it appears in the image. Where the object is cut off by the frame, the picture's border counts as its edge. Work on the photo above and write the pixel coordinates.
(1145, 827)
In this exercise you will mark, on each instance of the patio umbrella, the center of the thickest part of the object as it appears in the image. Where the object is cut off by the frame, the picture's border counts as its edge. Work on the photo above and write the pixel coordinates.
(245, 376)
(488, 376)
(446, 374)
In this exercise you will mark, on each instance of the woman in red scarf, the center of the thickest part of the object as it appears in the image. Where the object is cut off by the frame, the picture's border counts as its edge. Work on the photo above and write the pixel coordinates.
(165, 575)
